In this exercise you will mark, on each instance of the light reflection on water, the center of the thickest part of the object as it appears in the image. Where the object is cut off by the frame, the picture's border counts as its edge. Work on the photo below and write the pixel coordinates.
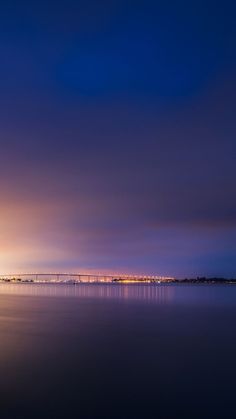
(117, 351)
(152, 293)
(145, 292)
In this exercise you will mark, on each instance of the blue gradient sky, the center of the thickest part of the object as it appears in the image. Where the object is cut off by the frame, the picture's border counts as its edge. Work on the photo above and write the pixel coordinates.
(117, 136)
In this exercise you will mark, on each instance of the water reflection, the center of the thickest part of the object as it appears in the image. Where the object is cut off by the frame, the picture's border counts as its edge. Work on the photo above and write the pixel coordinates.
(117, 351)
(144, 292)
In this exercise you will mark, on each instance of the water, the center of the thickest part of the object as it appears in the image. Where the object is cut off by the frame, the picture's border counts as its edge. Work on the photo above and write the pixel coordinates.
(117, 351)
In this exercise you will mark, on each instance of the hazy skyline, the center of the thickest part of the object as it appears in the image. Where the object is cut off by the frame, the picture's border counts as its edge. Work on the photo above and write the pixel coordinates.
(117, 137)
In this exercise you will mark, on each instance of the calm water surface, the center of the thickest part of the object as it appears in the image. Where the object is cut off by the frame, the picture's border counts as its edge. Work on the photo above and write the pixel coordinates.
(117, 351)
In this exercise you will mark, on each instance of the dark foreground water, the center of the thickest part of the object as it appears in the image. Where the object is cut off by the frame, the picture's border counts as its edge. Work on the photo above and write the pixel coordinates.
(117, 351)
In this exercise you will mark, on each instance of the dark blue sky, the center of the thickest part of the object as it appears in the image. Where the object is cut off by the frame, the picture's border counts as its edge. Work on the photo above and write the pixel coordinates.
(117, 136)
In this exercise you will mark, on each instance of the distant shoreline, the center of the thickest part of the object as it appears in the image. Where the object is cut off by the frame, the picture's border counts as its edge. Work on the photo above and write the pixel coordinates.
(198, 280)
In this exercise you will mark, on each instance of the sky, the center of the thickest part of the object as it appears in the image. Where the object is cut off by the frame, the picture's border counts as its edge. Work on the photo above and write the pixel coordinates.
(118, 137)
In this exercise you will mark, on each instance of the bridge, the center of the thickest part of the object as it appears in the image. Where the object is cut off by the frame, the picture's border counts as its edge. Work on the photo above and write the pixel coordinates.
(80, 277)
